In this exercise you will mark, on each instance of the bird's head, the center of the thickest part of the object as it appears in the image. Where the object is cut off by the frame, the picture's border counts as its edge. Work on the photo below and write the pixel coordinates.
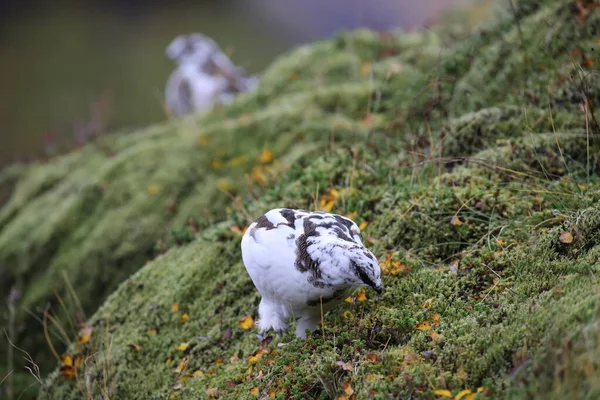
(195, 47)
(364, 269)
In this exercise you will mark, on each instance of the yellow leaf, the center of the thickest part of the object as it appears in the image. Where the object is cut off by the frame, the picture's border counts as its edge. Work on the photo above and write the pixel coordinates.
(365, 68)
(398, 267)
(347, 314)
(501, 242)
(423, 326)
(183, 346)
(462, 394)
(348, 388)
(67, 361)
(455, 220)
(328, 200)
(247, 322)
(471, 396)
(198, 373)
(566, 237)
(349, 299)
(443, 393)
(216, 164)
(184, 318)
(85, 333)
(435, 318)
(239, 161)
(168, 360)
(351, 215)
(428, 303)
(265, 157)
(363, 225)
(175, 307)
(153, 189)
(259, 176)
(203, 140)
(272, 394)
(151, 332)
(254, 359)
(225, 185)
(238, 231)
(372, 377)
(361, 296)
(182, 365)
(78, 361)
(254, 391)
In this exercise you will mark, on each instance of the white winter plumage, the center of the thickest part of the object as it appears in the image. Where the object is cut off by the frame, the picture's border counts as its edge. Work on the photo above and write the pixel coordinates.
(204, 75)
(299, 260)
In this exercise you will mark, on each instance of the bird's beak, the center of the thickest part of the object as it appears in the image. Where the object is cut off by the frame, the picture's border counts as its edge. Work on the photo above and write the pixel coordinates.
(378, 289)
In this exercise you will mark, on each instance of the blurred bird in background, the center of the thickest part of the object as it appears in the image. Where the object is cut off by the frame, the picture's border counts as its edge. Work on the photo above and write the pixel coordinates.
(204, 75)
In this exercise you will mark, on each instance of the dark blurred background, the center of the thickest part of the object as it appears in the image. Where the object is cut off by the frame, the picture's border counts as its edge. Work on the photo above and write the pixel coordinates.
(69, 64)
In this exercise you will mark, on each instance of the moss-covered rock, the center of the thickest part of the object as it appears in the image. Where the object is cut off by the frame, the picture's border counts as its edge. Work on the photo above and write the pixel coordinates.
(471, 165)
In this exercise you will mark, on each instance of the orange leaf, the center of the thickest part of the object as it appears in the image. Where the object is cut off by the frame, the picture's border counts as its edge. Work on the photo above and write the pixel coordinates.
(372, 357)
(435, 318)
(265, 157)
(68, 372)
(423, 326)
(348, 388)
(361, 296)
(433, 334)
(175, 307)
(254, 391)
(566, 238)
(247, 322)
(135, 347)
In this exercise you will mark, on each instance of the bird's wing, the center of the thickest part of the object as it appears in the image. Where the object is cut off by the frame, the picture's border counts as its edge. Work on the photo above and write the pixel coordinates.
(269, 247)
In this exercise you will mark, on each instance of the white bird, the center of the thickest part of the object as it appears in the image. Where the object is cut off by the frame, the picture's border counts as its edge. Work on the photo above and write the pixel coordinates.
(299, 260)
(204, 75)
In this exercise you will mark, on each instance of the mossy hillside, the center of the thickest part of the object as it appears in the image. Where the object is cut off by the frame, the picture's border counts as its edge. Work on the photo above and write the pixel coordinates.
(516, 291)
(95, 216)
(404, 100)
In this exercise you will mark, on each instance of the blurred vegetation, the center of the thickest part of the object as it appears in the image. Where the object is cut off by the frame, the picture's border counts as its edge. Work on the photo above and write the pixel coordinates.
(68, 63)
(471, 165)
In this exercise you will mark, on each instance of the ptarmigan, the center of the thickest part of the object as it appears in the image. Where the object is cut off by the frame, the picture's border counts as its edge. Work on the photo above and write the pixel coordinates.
(204, 75)
(299, 260)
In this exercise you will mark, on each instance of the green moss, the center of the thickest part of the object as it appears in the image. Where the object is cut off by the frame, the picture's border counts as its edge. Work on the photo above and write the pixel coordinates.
(465, 184)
